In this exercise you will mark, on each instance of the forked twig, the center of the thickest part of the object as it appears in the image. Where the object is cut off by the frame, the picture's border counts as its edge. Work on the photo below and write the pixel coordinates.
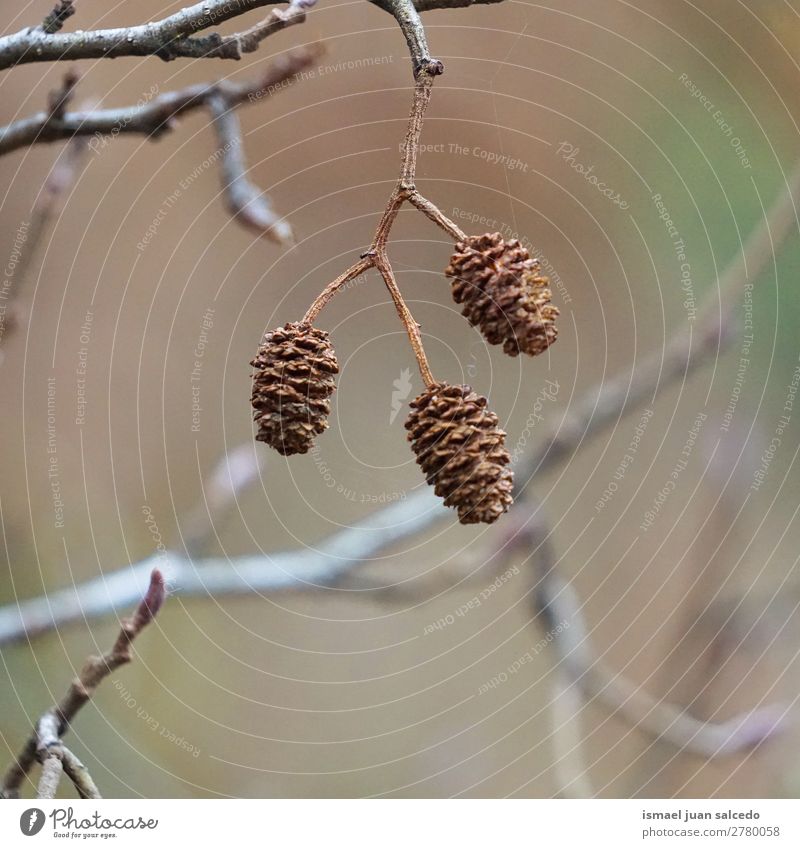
(404, 191)
(169, 38)
(157, 115)
(45, 743)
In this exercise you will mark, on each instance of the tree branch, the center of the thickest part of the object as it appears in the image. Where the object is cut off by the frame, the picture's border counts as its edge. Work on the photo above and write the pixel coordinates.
(406, 14)
(245, 201)
(158, 115)
(557, 602)
(430, 5)
(168, 38)
(44, 743)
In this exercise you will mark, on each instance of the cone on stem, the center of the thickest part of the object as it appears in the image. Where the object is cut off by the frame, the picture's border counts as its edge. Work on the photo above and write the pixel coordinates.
(461, 451)
(502, 291)
(294, 378)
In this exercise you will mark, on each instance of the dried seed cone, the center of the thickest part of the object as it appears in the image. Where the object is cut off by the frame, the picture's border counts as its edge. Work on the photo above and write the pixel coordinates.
(503, 293)
(293, 381)
(460, 449)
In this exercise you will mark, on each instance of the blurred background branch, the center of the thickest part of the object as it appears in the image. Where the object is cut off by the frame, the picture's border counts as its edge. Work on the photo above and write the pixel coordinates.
(45, 743)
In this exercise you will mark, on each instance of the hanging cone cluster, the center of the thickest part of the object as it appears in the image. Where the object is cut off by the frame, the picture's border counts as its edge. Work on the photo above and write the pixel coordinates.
(503, 293)
(293, 381)
(460, 449)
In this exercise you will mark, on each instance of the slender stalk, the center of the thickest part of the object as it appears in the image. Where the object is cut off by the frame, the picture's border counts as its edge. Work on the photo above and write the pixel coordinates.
(330, 290)
(436, 215)
(422, 96)
(382, 264)
(403, 192)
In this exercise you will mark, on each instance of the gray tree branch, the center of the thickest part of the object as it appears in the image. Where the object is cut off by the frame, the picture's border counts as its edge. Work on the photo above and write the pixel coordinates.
(668, 722)
(169, 38)
(245, 201)
(156, 116)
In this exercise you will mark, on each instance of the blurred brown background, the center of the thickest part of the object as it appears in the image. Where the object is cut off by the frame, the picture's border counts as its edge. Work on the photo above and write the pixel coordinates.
(331, 693)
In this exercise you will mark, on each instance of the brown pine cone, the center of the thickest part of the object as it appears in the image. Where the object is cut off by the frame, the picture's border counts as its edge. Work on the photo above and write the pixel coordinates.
(292, 384)
(503, 292)
(460, 449)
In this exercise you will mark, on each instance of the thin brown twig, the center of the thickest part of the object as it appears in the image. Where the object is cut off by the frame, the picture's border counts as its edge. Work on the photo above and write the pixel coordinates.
(412, 328)
(437, 216)
(324, 297)
(45, 743)
(376, 256)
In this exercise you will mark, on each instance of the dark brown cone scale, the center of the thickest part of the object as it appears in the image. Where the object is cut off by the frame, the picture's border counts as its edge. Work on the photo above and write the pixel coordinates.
(460, 449)
(502, 291)
(293, 381)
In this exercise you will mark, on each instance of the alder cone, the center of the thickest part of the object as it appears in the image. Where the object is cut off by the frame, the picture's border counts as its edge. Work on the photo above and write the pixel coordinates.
(503, 292)
(292, 384)
(460, 449)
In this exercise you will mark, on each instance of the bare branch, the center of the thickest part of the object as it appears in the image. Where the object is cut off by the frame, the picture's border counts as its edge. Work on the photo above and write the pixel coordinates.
(245, 201)
(430, 5)
(436, 215)
(44, 743)
(406, 14)
(557, 602)
(168, 38)
(232, 46)
(158, 115)
(295, 571)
